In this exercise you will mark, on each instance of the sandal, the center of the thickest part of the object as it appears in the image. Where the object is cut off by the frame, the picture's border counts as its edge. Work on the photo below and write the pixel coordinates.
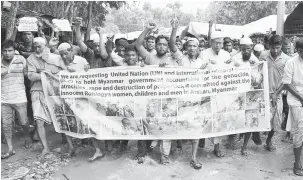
(164, 160)
(298, 170)
(218, 153)
(8, 154)
(140, 160)
(270, 148)
(28, 144)
(195, 164)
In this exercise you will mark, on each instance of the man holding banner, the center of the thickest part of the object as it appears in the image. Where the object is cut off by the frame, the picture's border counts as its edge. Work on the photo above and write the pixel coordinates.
(41, 60)
(190, 61)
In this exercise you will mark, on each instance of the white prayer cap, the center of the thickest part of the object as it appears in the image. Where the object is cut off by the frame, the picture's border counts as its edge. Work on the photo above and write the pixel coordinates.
(64, 46)
(193, 39)
(217, 34)
(110, 35)
(259, 47)
(39, 40)
(247, 41)
(95, 38)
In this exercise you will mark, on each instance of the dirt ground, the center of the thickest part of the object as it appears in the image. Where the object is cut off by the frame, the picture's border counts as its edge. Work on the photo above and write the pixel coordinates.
(260, 164)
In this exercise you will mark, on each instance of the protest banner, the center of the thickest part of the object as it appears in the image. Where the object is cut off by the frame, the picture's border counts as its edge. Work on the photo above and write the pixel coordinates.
(62, 25)
(28, 24)
(158, 103)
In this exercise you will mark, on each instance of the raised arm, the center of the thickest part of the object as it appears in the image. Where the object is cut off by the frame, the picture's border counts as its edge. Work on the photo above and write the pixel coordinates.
(81, 44)
(13, 37)
(172, 42)
(104, 54)
(139, 42)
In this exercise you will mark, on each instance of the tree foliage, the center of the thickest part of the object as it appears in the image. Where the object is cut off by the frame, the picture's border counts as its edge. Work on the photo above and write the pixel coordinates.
(240, 12)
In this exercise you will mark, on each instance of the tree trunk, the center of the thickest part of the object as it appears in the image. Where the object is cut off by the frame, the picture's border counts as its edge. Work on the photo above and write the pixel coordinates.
(89, 20)
(11, 20)
(69, 3)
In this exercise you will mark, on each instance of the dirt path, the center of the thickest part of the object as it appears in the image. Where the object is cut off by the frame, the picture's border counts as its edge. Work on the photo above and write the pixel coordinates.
(260, 164)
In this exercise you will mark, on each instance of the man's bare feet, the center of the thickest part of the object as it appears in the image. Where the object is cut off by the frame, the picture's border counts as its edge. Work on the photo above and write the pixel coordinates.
(45, 152)
(96, 156)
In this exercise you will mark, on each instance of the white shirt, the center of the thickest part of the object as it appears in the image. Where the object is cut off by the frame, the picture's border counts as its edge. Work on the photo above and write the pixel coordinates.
(183, 60)
(238, 59)
(78, 63)
(215, 61)
(293, 74)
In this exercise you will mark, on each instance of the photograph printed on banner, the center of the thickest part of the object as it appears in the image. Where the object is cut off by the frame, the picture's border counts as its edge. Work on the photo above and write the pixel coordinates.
(160, 126)
(228, 122)
(191, 106)
(195, 124)
(228, 102)
(67, 109)
(52, 85)
(140, 108)
(72, 124)
(253, 117)
(58, 104)
(126, 108)
(112, 108)
(62, 122)
(98, 108)
(153, 108)
(82, 126)
(131, 126)
(257, 81)
(255, 99)
(169, 107)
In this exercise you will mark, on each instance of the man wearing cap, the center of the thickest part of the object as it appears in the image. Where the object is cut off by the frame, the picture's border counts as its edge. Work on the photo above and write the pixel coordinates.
(245, 59)
(41, 60)
(228, 46)
(190, 61)
(258, 49)
(293, 82)
(215, 58)
(276, 60)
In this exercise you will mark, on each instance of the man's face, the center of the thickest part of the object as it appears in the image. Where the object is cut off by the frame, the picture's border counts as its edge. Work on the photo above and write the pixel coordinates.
(179, 45)
(27, 37)
(126, 123)
(246, 51)
(217, 44)
(286, 49)
(96, 48)
(192, 48)
(257, 53)
(38, 48)
(201, 43)
(228, 47)
(236, 46)
(67, 56)
(8, 53)
(131, 58)
(162, 46)
(121, 50)
(275, 50)
(150, 44)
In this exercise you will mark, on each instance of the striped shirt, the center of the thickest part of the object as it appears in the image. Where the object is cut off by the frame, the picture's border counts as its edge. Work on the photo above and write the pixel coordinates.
(12, 82)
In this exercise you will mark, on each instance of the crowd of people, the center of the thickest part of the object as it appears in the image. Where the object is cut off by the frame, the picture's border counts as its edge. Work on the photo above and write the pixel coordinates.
(23, 62)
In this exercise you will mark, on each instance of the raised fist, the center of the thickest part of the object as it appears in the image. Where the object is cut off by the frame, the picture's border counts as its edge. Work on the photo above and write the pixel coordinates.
(98, 30)
(174, 23)
(78, 21)
(151, 26)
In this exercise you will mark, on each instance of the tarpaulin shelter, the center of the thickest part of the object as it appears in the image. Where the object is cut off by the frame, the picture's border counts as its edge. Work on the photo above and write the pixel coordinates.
(262, 25)
(293, 25)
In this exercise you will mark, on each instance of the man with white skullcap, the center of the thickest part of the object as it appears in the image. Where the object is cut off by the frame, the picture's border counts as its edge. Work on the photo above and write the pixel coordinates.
(215, 57)
(41, 60)
(258, 49)
(190, 61)
(245, 57)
